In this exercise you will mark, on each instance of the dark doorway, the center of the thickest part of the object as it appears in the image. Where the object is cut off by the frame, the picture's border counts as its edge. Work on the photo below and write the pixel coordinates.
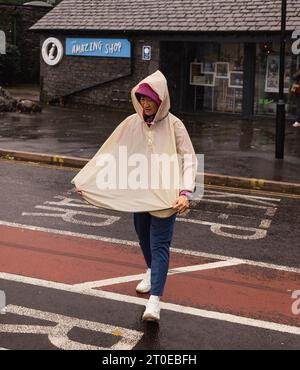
(171, 59)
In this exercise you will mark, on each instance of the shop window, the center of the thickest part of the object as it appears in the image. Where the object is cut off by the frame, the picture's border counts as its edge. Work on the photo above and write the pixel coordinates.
(267, 77)
(216, 75)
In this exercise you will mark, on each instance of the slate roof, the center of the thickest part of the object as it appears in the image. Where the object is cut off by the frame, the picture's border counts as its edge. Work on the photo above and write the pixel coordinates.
(170, 15)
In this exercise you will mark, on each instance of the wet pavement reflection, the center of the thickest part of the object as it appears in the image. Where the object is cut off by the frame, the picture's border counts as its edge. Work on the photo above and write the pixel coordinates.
(231, 145)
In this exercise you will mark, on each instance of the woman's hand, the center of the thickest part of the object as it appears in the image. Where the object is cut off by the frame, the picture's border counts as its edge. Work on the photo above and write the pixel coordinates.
(182, 204)
(79, 192)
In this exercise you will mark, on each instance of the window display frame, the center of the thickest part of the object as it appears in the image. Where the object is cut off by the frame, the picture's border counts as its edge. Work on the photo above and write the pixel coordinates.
(208, 70)
(219, 64)
(202, 75)
(231, 79)
(191, 72)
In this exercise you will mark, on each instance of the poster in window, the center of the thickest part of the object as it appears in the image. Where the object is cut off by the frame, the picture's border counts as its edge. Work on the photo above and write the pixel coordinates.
(209, 79)
(208, 67)
(196, 73)
(272, 74)
(222, 69)
(236, 79)
(206, 79)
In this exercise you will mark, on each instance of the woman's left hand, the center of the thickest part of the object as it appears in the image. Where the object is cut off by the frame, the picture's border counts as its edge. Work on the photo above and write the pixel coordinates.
(182, 204)
(77, 191)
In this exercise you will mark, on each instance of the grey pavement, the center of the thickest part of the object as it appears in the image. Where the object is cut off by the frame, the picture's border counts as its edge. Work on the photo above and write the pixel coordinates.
(232, 146)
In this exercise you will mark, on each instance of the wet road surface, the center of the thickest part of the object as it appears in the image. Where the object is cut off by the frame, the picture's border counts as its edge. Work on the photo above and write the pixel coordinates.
(234, 268)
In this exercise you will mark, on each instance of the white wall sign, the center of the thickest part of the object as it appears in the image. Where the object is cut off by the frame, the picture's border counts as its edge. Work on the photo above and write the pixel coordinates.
(146, 52)
(52, 51)
(2, 43)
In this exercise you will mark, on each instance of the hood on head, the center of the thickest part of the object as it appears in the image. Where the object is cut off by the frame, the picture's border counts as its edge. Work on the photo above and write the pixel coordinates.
(145, 90)
(158, 83)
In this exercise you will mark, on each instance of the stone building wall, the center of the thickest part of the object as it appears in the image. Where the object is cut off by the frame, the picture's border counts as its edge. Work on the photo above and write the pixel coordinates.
(99, 81)
(15, 21)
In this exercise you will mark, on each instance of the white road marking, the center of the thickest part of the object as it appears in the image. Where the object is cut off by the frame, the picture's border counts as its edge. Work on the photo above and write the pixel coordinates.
(69, 216)
(235, 204)
(2, 302)
(240, 232)
(223, 229)
(223, 215)
(261, 203)
(136, 244)
(107, 282)
(220, 191)
(177, 270)
(253, 198)
(58, 334)
(205, 266)
(266, 193)
(265, 224)
(270, 212)
(70, 202)
(268, 325)
(216, 228)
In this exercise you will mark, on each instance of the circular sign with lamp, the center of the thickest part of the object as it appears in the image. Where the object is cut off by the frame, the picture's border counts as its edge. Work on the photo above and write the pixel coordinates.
(52, 51)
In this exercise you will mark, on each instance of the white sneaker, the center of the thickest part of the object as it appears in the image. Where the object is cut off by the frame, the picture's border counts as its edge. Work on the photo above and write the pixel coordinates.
(296, 124)
(144, 286)
(152, 311)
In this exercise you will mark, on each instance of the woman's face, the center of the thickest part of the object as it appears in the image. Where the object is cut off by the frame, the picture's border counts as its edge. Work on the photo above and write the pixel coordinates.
(149, 106)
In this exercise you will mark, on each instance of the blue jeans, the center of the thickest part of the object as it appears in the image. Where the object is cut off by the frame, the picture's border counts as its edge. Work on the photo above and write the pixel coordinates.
(155, 235)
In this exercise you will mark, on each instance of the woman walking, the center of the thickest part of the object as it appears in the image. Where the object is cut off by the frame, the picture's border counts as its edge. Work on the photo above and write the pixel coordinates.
(155, 134)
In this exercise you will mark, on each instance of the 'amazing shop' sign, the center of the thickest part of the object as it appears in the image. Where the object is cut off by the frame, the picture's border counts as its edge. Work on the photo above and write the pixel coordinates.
(114, 48)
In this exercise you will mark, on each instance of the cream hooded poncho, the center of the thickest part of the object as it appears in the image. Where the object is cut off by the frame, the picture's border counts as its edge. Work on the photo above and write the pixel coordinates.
(134, 170)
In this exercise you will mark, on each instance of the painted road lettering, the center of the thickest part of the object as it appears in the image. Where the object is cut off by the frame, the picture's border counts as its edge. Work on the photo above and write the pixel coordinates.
(58, 334)
(256, 211)
(296, 304)
(70, 202)
(2, 302)
(73, 216)
(229, 215)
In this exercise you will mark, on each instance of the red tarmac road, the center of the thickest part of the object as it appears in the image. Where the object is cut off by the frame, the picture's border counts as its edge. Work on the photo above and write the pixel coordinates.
(244, 290)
